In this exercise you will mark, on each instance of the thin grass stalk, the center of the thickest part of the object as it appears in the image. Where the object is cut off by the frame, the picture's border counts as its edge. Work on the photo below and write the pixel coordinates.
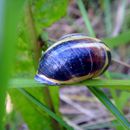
(111, 122)
(108, 22)
(116, 41)
(44, 108)
(112, 91)
(102, 97)
(85, 17)
(121, 63)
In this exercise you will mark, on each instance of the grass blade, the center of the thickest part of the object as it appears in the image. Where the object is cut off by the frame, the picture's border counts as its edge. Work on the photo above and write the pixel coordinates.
(109, 83)
(85, 17)
(105, 100)
(10, 13)
(44, 108)
(108, 22)
(121, 39)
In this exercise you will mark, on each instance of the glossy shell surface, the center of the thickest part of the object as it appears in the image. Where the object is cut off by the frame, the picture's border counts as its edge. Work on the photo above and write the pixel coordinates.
(74, 58)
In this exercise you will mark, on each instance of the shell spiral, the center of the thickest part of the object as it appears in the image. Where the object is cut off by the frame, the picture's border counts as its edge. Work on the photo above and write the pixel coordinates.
(74, 58)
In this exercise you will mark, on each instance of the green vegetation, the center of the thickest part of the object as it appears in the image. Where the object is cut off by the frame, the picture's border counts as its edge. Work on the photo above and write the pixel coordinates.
(21, 24)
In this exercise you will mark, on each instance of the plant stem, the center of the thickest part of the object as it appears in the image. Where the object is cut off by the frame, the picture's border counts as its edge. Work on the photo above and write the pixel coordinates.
(44, 108)
(121, 62)
(33, 37)
(49, 103)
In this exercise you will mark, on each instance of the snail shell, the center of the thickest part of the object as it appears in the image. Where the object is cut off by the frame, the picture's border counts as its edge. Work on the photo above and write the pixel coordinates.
(74, 58)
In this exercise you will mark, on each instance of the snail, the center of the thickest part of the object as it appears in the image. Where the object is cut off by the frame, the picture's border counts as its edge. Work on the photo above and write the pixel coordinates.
(73, 58)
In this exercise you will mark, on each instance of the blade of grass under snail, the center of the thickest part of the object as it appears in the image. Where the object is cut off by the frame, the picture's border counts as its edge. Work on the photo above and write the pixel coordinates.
(85, 17)
(44, 108)
(109, 83)
(105, 100)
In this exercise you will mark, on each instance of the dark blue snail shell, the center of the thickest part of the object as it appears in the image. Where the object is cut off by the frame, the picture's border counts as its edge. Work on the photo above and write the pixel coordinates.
(74, 58)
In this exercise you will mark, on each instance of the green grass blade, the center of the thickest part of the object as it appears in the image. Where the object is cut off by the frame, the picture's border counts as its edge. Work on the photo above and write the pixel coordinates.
(24, 83)
(122, 100)
(117, 75)
(121, 39)
(109, 83)
(55, 100)
(10, 13)
(108, 22)
(44, 108)
(105, 100)
(85, 17)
